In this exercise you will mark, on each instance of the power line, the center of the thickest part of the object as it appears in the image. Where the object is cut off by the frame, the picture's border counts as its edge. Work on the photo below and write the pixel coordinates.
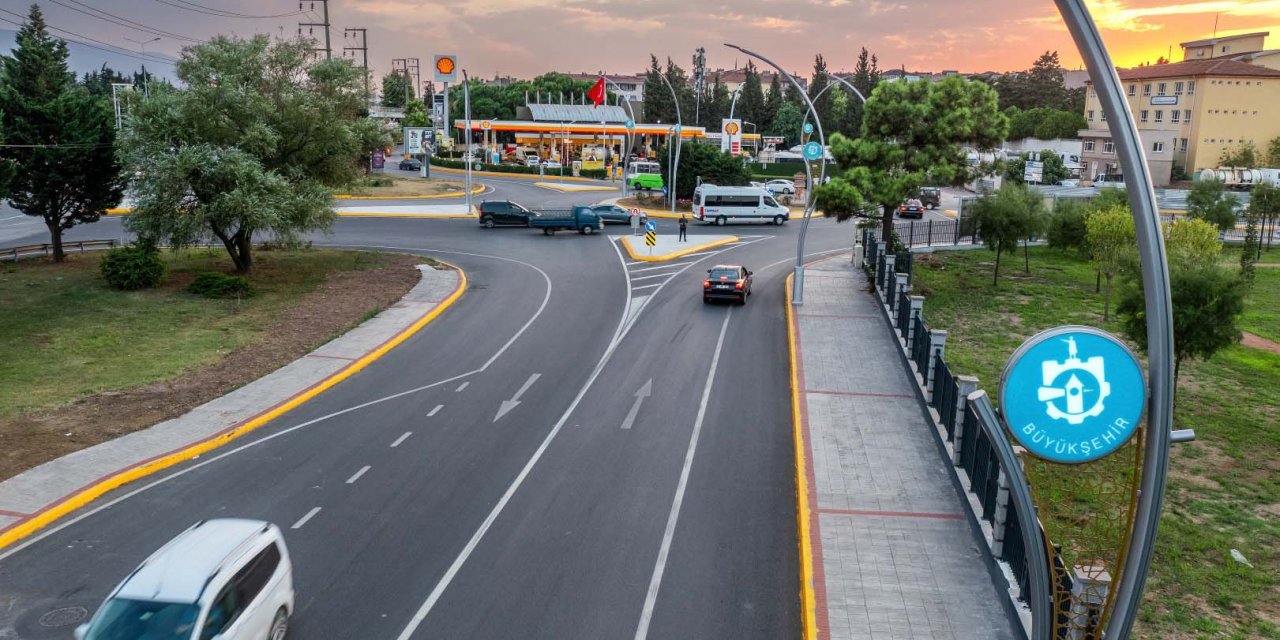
(109, 48)
(124, 22)
(214, 11)
(328, 49)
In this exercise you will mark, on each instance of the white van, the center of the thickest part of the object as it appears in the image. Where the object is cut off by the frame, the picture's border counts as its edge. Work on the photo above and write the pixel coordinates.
(737, 204)
(225, 578)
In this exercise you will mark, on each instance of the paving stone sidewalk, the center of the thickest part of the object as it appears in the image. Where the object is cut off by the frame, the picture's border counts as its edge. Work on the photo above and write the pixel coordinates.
(894, 556)
(33, 491)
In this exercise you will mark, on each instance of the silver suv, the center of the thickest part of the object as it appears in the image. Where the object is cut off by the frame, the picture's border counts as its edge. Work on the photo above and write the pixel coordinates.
(221, 579)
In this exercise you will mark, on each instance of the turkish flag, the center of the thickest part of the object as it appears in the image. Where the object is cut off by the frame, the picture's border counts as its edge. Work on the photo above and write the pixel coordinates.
(597, 92)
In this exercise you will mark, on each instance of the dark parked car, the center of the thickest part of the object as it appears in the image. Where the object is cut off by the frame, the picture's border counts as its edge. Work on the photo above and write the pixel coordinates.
(615, 213)
(931, 197)
(727, 282)
(411, 164)
(911, 209)
(503, 212)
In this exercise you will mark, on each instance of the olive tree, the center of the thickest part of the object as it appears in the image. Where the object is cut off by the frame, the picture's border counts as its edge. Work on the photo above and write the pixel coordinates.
(253, 144)
(1210, 201)
(1112, 238)
(1002, 219)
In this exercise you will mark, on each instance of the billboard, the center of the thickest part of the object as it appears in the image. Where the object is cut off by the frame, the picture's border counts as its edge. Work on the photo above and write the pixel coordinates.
(1033, 171)
(416, 140)
(731, 138)
(446, 68)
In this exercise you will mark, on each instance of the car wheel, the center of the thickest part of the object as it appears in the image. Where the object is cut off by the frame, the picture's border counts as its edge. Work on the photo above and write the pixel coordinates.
(720, 221)
(487, 222)
(778, 220)
(706, 300)
(588, 230)
(279, 626)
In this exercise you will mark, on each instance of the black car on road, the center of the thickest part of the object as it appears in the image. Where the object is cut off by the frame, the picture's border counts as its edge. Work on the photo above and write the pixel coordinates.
(931, 197)
(411, 164)
(911, 209)
(616, 213)
(503, 213)
(727, 282)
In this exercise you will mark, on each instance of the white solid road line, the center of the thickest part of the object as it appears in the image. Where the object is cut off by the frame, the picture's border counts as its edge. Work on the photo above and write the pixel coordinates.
(656, 275)
(402, 438)
(646, 614)
(435, 410)
(665, 266)
(646, 286)
(462, 386)
(303, 520)
(357, 474)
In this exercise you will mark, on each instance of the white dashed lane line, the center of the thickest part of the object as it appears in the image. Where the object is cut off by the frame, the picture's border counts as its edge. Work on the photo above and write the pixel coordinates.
(403, 437)
(356, 475)
(656, 275)
(462, 386)
(303, 520)
(437, 409)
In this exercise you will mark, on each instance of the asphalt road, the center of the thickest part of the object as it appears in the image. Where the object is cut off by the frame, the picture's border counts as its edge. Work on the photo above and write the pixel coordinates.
(546, 520)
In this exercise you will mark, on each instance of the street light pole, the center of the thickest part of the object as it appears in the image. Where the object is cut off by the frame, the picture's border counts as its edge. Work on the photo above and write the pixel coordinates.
(142, 49)
(797, 291)
(626, 154)
(679, 138)
(466, 150)
(734, 103)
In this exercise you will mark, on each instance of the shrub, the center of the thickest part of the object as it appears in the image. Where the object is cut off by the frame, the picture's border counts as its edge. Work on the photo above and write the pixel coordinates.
(132, 268)
(1067, 230)
(212, 284)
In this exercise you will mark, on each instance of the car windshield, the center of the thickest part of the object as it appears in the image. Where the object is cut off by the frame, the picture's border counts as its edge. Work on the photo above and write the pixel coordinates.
(123, 619)
(726, 274)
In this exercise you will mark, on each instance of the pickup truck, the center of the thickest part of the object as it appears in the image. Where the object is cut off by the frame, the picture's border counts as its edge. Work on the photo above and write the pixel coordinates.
(580, 219)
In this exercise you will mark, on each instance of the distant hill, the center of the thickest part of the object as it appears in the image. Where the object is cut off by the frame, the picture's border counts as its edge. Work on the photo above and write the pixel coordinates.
(84, 58)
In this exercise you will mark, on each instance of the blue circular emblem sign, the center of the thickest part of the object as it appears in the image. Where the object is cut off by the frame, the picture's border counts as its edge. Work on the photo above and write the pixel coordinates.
(630, 124)
(812, 150)
(807, 128)
(1073, 394)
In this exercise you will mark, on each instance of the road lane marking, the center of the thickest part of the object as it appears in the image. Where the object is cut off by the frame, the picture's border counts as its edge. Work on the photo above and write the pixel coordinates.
(665, 266)
(508, 405)
(641, 394)
(303, 520)
(646, 286)
(435, 410)
(656, 275)
(462, 386)
(651, 598)
(401, 439)
(356, 475)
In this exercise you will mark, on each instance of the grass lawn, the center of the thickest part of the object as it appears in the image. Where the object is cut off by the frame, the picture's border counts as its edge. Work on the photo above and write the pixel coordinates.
(400, 186)
(65, 335)
(1224, 489)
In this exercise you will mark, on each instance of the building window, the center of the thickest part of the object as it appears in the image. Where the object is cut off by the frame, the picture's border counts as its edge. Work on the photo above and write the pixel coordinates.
(1160, 89)
(1133, 90)
(1088, 145)
(1177, 88)
(1174, 116)
(1103, 116)
(1186, 116)
(1226, 48)
(1146, 89)
(1159, 115)
(1157, 147)
(1142, 115)
(1191, 87)
(1184, 145)
(1108, 147)
(1091, 115)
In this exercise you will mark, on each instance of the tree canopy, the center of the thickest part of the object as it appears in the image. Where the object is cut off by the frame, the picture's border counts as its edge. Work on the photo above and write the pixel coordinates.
(396, 90)
(1044, 123)
(705, 161)
(1055, 170)
(1209, 201)
(1112, 238)
(252, 144)
(1244, 154)
(1002, 219)
(1041, 85)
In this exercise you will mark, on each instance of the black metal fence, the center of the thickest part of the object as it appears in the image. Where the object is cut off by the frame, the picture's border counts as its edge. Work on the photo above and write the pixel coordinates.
(924, 233)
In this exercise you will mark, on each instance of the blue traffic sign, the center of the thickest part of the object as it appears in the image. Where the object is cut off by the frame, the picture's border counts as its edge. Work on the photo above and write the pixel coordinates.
(1073, 394)
(630, 124)
(650, 226)
(808, 127)
(812, 151)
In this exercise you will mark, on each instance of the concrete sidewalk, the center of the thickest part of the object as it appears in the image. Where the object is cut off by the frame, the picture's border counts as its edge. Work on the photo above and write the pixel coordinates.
(31, 499)
(893, 555)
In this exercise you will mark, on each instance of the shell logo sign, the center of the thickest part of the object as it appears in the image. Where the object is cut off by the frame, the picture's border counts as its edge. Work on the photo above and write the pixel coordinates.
(732, 127)
(446, 68)
(731, 140)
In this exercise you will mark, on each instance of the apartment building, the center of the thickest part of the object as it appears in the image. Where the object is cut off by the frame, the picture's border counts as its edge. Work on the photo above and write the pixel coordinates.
(1189, 112)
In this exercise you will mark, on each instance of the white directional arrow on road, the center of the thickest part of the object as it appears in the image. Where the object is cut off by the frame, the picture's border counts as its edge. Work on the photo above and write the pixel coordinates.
(508, 405)
(643, 393)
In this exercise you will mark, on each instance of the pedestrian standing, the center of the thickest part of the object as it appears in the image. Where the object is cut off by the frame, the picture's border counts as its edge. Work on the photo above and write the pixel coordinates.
(684, 225)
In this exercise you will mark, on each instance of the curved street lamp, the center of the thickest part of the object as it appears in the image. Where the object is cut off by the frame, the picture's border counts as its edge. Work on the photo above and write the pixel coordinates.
(466, 152)
(675, 168)
(797, 290)
(630, 137)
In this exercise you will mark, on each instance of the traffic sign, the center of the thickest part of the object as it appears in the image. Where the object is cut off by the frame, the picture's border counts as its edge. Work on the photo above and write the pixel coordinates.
(1076, 408)
(651, 226)
(446, 68)
(629, 124)
(650, 238)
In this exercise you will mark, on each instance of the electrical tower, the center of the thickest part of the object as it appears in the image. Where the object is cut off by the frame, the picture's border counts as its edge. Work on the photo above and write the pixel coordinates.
(363, 35)
(410, 68)
(324, 4)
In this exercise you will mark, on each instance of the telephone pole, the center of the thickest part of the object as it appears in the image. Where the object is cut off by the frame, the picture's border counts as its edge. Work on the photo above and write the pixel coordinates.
(363, 34)
(699, 82)
(324, 4)
(409, 67)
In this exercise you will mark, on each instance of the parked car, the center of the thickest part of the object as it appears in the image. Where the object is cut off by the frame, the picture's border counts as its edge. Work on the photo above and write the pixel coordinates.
(1111, 181)
(615, 213)
(1069, 182)
(411, 164)
(780, 185)
(551, 164)
(727, 282)
(580, 219)
(911, 208)
(531, 160)
(931, 197)
(226, 578)
(503, 212)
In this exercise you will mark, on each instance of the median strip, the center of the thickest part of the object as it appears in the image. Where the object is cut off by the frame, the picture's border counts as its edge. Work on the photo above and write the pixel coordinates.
(666, 248)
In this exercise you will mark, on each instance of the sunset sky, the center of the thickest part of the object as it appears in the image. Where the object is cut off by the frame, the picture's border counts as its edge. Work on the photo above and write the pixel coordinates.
(527, 37)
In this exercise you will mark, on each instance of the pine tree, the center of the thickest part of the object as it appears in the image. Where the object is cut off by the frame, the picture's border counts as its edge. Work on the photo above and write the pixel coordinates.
(658, 107)
(772, 103)
(818, 92)
(684, 92)
(66, 170)
(751, 104)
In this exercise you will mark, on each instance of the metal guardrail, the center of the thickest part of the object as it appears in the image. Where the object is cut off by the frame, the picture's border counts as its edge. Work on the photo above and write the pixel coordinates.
(46, 250)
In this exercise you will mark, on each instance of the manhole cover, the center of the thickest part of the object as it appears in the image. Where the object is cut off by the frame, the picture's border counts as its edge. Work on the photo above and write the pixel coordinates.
(63, 617)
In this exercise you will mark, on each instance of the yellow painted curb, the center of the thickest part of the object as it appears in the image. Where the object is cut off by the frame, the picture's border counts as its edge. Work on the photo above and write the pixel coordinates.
(519, 176)
(950, 213)
(475, 190)
(808, 602)
(49, 515)
(568, 189)
(626, 244)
